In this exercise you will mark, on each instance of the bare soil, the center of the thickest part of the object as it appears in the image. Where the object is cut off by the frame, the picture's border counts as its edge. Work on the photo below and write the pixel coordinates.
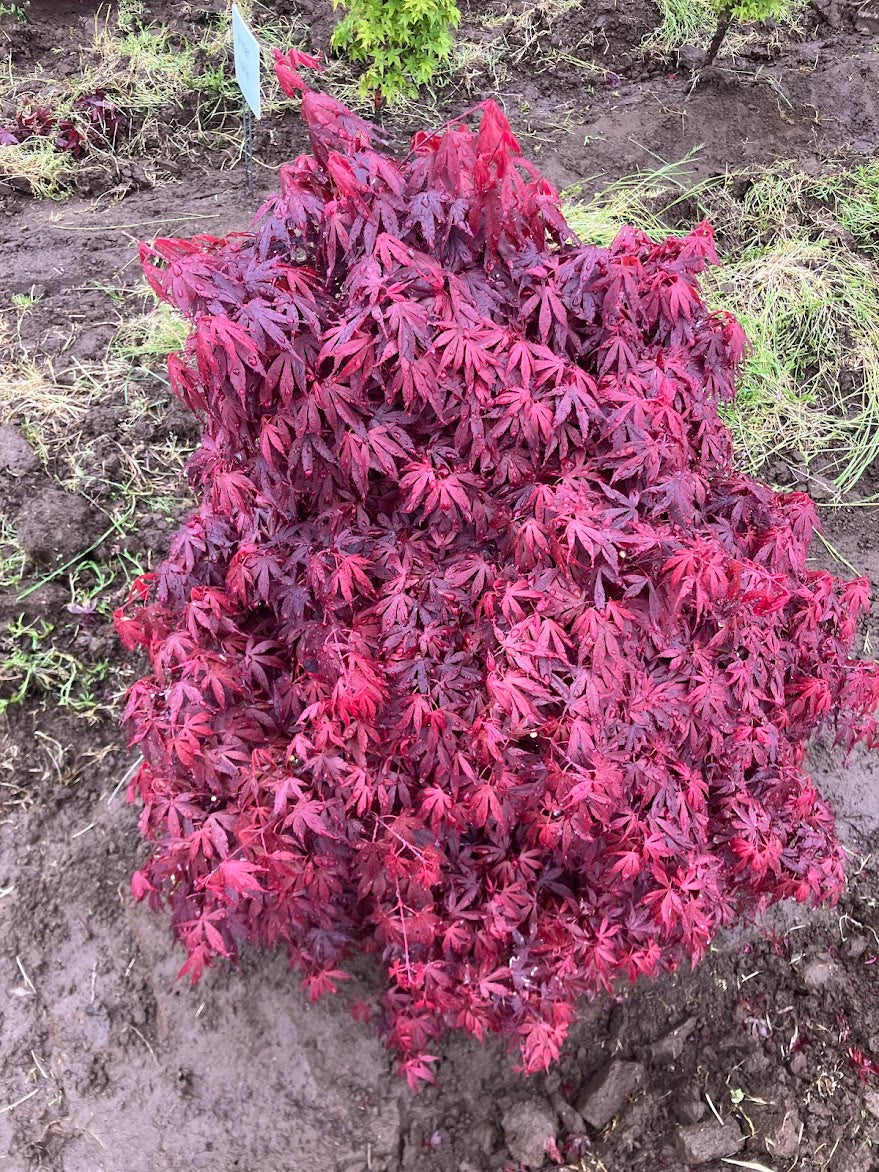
(108, 1063)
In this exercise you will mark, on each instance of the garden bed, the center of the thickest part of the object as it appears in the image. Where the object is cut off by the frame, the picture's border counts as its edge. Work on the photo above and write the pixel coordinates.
(108, 1063)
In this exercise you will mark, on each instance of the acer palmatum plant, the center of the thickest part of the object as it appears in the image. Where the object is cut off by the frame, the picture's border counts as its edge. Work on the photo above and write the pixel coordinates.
(478, 654)
(95, 120)
(401, 43)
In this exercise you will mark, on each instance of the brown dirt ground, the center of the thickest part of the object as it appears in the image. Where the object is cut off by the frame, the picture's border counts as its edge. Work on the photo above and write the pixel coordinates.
(107, 1064)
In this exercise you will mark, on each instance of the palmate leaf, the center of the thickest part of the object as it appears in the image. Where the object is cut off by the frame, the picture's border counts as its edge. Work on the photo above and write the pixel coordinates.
(477, 654)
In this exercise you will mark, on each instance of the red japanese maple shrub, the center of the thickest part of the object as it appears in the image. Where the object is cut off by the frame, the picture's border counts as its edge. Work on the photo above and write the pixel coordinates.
(478, 654)
(99, 122)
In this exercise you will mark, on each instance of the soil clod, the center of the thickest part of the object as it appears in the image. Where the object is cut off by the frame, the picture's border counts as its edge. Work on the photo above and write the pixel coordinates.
(699, 1143)
(17, 457)
(528, 1127)
(670, 1047)
(608, 1091)
(819, 973)
(56, 524)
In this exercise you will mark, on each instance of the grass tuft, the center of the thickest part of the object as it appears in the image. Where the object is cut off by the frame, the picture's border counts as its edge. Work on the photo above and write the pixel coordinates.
(154, 334)
(32, 662)
(809, 389)
(644, 200)
(36, 167)
(854, 199)
(692, 22)
(49, 415)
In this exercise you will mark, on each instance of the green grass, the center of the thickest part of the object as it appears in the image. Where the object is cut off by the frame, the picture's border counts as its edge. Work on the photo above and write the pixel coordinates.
(854, 200)
(683, 22)
(692, 22)
(12, 557)
(811, 313)
(154, 334)
(781, 200)
(25, 301)
(32, 663)
(36, 166)
(127, 476)
(644, 200)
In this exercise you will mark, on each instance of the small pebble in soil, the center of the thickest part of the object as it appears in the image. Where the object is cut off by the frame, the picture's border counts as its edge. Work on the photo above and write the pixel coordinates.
(756, 1063)
(798, 1064)
(689, 1110)
(699, 1143)
(690, 57)
(855, 947)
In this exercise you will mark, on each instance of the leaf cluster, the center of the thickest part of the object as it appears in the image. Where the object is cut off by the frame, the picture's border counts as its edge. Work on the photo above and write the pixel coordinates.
(478, 654)
(401, 42)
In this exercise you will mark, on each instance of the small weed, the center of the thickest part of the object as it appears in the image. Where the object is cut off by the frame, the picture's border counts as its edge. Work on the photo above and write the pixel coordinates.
(130, 14)
(12, 556)
(25, 301)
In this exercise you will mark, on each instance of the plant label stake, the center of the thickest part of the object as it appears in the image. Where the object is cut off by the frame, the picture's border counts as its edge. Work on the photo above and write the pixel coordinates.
(247, 74)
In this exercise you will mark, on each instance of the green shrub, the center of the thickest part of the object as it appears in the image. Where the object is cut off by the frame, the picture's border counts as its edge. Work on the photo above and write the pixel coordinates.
(401, 42)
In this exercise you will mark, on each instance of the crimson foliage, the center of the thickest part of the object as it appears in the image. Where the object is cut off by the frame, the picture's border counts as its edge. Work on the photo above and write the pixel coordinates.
(98, 121)
(478, 654)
